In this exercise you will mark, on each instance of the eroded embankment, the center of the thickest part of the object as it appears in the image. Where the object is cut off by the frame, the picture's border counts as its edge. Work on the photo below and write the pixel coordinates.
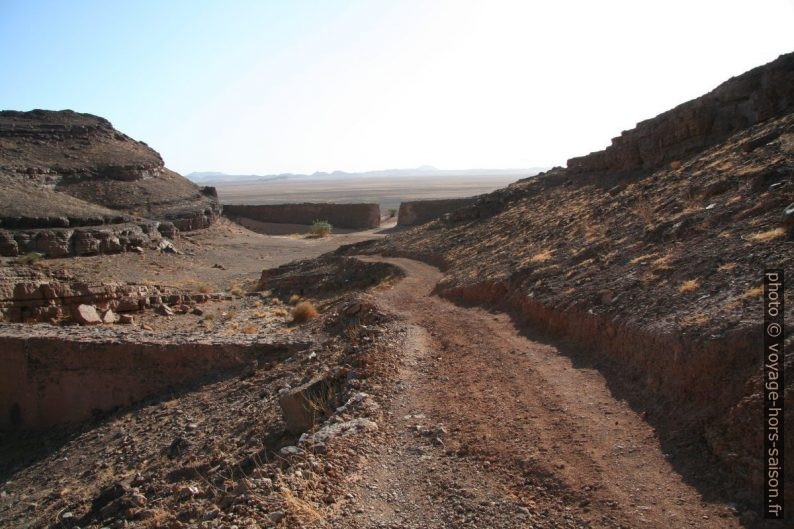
(420, 211)
(65, 375)
(351, 216)
(686, 384)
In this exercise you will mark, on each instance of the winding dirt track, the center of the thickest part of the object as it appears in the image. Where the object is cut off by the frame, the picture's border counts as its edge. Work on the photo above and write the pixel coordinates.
(486, 428)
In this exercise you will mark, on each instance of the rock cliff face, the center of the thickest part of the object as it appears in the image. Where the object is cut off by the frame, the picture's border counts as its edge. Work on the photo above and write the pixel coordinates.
(67, 171)
(31, 294)
(757, 95)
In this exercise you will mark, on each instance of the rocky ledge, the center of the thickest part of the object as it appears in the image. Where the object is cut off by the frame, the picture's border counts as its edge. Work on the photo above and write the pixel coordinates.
(755, 96)
(64, 170)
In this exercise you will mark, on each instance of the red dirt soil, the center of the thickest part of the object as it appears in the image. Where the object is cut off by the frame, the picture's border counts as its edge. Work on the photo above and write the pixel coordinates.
(527, 438)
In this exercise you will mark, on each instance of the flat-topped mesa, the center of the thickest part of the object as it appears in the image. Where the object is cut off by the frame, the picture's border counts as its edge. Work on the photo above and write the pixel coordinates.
(51, 147)
(757, 95)
(63, 170)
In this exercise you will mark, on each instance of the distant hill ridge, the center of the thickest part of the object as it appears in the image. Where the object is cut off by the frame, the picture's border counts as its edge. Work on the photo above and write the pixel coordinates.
(425, 170)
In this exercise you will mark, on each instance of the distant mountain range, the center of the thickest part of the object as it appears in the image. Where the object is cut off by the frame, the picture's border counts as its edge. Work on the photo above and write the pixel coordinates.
(206, 177)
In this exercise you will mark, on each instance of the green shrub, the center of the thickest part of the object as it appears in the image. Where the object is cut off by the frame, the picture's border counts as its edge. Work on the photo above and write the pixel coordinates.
(320, 228)
(29, 258)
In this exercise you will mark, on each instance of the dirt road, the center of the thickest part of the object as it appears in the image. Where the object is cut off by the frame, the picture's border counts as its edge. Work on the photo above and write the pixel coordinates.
(489, 429)
(225, 253)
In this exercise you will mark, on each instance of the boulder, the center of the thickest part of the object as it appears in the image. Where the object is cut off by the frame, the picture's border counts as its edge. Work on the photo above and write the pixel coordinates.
(304, 405)
(87, 315)
(109, 317)
(359, 424)
(164, 310)
(8, 246)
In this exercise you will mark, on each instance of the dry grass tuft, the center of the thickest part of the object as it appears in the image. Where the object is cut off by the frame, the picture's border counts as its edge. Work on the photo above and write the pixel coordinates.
(649, 277)
(293, 299)
(595, 232)
(645, 212)
(767, 236)
(692, 199)
(755, 292)
(697, 319)
(689, 285)
(275, 301)
(250, 329)
(301, 510)
(642, 258)
(662, 263)
(31, 258)
(236, 290)
(726, 267)
(541, 257)
(303, 312)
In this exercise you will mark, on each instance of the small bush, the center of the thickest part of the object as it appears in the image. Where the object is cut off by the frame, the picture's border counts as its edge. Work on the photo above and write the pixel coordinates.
(320, 228)
(236, 290)
(303, 312)
(250, 329)
(392, 213)
(294, 299)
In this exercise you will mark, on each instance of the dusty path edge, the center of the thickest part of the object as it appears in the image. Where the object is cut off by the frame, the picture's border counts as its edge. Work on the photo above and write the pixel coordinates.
(697, 393)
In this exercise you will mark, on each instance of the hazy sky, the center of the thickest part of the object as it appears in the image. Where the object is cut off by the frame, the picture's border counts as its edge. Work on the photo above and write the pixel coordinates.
(266, 86)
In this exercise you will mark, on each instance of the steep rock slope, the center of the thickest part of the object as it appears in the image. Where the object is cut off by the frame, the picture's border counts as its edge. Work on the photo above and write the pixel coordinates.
(654, 266)
(67, 170)
(757, 95)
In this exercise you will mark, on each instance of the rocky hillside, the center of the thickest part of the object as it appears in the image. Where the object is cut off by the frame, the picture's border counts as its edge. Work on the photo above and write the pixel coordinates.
(650, 254)
(762, 93)
(65, 170)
